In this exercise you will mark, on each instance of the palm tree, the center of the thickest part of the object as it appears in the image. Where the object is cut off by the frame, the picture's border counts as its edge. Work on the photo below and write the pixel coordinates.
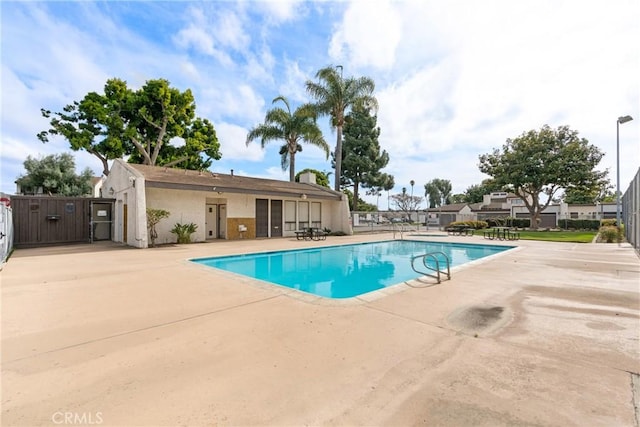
(334, 95)
(293, 128)
(412, 182)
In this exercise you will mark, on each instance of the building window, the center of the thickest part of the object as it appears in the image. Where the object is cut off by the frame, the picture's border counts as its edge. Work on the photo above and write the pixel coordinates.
(316, 214)
(303, 212)
(289, 215)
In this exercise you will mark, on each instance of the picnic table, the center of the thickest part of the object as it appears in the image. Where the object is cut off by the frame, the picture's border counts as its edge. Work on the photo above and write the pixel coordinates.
(501, 233)
(311, 234)
(460, 230)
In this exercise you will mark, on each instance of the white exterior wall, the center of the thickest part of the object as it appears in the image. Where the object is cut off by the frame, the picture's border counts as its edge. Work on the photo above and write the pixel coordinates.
(242, 205)
(128, 188)
(342, 216)
(583, 211)
(184, 206)
(188, 206)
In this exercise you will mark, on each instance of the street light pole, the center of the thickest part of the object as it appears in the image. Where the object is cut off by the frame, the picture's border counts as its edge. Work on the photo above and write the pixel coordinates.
(621, 120)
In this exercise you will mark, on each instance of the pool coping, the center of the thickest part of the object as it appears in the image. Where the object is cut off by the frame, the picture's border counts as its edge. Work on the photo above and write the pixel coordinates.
(364, 298)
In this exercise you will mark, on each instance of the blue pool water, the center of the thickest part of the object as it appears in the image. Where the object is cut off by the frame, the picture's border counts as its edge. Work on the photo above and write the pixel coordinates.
(348, 270)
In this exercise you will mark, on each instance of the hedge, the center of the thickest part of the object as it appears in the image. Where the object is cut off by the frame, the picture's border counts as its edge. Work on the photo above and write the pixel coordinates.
(509, 222)
(579, 224)
(477, 225)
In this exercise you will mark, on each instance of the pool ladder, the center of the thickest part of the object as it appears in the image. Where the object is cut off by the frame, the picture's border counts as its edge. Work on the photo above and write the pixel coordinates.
(433, 272)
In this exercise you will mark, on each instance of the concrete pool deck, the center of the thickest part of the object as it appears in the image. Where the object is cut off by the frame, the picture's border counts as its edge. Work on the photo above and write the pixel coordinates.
(547, 334)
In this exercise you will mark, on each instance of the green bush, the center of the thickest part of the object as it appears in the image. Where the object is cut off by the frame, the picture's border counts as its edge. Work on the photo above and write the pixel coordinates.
(154, 216)
(520, 222)
(184, 231)
(477, 225)
(509, 222)
(610, 234)
(579, 224)
(608, 222)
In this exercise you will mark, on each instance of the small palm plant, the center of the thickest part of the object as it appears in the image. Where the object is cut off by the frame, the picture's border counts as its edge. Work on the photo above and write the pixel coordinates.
(184, 231)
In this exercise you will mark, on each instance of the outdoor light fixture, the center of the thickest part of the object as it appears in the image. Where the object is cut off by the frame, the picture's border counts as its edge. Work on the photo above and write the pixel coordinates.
(621, 120)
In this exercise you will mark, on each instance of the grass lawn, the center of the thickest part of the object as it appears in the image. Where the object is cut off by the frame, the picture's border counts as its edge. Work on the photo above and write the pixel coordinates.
(559, 236)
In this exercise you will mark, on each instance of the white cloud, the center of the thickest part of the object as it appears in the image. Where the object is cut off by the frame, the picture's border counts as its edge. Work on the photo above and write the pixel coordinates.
(229, 31)
(190, 71)
(275, 173)
(293, 84)
(454, 79)
(260, 67)
(278, 11)
(494, 72)
(199, 35)
(368, 35)
(232, 143)
(239, 102)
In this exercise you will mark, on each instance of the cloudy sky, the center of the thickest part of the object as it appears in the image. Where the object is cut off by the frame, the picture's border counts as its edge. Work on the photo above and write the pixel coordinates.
(454, 79)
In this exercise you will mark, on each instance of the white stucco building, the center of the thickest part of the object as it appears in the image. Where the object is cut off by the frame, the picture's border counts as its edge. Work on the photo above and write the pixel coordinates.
(223, 206)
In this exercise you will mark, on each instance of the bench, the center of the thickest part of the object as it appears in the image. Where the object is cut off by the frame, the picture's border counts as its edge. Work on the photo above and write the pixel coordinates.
(460, 230)
(311, 234)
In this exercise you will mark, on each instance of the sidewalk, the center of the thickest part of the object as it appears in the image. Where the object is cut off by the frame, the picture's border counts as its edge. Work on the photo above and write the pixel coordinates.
(547, 334)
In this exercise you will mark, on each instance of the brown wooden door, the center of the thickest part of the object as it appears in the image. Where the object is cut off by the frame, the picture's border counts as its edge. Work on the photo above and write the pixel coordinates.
(276, 218)
(262, 218)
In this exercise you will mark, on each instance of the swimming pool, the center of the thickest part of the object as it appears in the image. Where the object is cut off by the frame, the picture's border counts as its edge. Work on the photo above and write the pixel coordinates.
(347, 270)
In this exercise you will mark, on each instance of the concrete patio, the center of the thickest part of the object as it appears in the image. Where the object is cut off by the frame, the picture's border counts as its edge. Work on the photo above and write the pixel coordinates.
(546, 334)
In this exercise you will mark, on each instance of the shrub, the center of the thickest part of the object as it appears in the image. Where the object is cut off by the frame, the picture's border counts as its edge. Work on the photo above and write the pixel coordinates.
(477, 225)
(509, 222)
(610, 234)
(154, 216)
(579, 224)
(608, 222)
(184, 231)
(520, 222)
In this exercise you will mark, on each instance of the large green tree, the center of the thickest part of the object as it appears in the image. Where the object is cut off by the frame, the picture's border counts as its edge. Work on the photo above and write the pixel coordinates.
(438, 191)
(143, 124)
(475, 193)
(363, 206)
(54, 174)
(362, 159)
(321, 177)
(334, 96)
(539, 163)
(291, 127)
(383, 182)
(599, 192)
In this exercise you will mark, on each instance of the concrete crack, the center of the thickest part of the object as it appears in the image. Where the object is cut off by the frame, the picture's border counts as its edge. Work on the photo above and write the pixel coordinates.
(635, 397)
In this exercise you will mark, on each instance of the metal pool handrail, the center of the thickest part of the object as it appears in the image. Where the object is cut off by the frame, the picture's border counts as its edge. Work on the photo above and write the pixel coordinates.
(432, 255)
(401, 228)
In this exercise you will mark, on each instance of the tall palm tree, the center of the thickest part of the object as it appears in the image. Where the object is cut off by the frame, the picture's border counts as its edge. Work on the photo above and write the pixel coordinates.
(334, 96)
(293, 128)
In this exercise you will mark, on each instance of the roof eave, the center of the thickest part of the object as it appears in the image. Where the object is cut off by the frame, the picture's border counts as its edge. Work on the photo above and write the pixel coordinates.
(218, 189)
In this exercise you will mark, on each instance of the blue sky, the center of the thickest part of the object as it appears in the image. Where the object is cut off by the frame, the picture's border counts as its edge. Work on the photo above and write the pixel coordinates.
(454, 79)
